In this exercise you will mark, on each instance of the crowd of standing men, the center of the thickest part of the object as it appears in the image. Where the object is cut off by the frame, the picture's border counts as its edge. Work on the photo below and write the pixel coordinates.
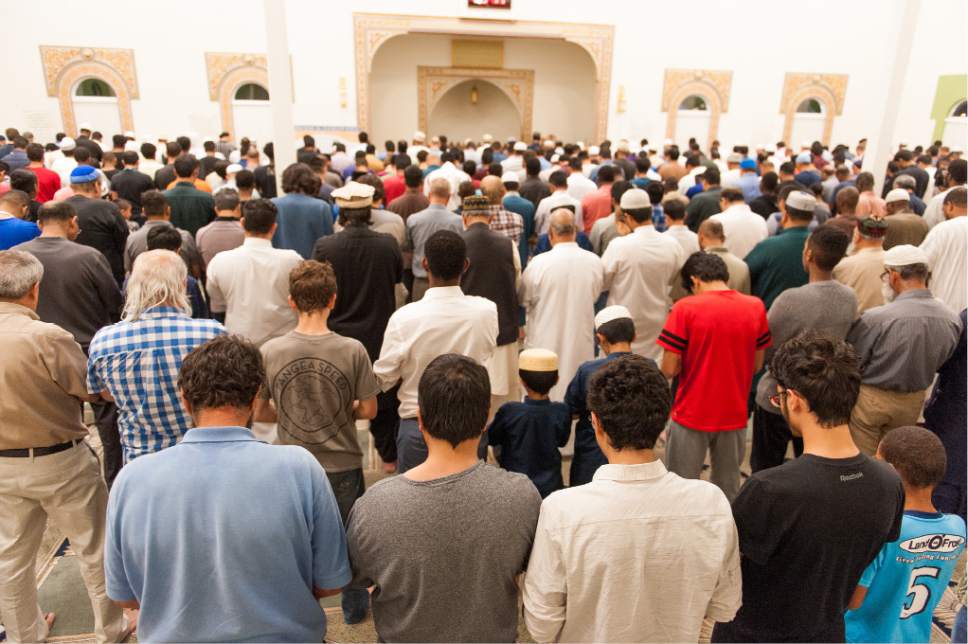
(195, 311)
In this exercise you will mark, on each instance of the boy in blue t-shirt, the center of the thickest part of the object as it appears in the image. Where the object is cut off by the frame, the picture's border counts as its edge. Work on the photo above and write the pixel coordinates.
(529, 433)
(900, 589)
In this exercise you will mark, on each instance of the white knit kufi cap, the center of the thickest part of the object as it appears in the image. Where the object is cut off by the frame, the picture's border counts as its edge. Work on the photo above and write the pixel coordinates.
(609, 313)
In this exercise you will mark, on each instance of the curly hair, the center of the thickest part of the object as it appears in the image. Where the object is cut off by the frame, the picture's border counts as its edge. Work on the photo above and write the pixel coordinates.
(226, 371)
(300, 178)
(822, 370)
(917, 454)
(631, 399)
(312, 285)
(706, 267)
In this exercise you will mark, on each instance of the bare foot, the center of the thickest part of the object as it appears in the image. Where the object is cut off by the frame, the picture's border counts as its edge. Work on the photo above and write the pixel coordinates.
(49, 618)
(390, 468)
(131, 616)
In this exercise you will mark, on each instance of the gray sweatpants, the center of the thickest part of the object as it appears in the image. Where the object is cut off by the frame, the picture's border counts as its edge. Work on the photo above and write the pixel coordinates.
(686, 453)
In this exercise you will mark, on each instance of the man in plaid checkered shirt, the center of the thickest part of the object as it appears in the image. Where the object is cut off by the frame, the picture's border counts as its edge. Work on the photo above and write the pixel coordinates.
(503, 221)
(135, 362)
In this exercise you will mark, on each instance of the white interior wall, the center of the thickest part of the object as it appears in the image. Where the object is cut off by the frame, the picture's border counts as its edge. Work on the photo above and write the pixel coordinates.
(757, 39)
(493, 113)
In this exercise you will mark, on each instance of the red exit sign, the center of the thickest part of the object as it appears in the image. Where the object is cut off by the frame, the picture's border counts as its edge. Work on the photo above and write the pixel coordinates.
(489, 4)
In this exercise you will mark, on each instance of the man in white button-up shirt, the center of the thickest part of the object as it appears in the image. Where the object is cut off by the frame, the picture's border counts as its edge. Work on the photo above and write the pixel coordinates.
(639, 271)
(454, 176)
(639, 554)
(443, 321)
(744, 228)
(557, 199)
(250, 284)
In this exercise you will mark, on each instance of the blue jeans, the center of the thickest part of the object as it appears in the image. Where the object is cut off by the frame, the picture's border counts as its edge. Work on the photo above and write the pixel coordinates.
(347, 488)
(958, 634)
(412, 450)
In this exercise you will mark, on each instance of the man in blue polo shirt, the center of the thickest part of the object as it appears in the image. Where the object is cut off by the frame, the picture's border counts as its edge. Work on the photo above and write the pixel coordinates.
(13, 228)
(222, 537)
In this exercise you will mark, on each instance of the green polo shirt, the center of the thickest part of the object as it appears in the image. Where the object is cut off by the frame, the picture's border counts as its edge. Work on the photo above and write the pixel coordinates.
(703, 206)
(191, 208)
(776, 264)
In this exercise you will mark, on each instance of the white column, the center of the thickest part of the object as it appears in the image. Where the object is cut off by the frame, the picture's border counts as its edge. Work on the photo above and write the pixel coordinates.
(280, 87)
(881, 146)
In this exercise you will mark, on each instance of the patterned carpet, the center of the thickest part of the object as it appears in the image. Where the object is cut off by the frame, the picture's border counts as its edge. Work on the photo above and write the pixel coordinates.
(61, 591)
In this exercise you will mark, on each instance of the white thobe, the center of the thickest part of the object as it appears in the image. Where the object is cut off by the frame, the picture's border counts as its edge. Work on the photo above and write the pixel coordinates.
(934, 211)
(946, 245)
(558, 290)
(744, 229)
(557, 199)
(686, 238)
(689, 180)
(579, 185)
(639, 270)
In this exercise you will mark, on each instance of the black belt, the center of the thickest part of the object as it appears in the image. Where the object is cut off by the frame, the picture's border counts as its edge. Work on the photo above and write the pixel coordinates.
(25, 452)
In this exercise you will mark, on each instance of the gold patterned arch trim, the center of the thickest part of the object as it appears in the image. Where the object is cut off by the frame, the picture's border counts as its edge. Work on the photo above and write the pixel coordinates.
(65, 67)
(712, 85)
(828, 89)
(434, 82)
(226, 73)
(372, 30)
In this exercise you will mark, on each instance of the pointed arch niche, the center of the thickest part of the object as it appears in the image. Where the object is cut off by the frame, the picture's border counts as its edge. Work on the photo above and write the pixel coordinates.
(372, 30)
(66, 67)
(827, 89)
(227, 72)
(712, 85)
(517, 84)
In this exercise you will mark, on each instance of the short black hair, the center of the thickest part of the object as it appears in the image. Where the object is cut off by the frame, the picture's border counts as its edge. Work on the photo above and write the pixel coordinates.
(674, 210)
(402, 161)
(558, 179)
(618, 330)
(619, 188)
(957, 197)
(164, 238)
(824, 371)
(35, 152)
(828, 244)
(917, 454)
(118, 140)
(244, 179)
(445, 251)
(769, 181)
(606, 174)
(209, 146)
(731, 195)
(532, 166)
(631, 399)
(185, 165)
(540, 382)
(655, 190)
(454, 396)
(958, 171)
(184, 143)
(258, 216)
(413, 176)
(153, 202)
(130, 158)
(706, 267)
(226, 371)
(711, 176)
(148, 150)
(672, 153)
(642, 163)
(25, 180)
(172, 149)
(81, 154)
(56, 211)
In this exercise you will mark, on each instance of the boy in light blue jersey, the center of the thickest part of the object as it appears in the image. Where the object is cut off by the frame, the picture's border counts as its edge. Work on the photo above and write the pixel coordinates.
(900, 589)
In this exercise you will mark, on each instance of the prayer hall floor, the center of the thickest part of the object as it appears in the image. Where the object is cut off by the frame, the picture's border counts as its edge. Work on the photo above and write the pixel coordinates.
(62, 591)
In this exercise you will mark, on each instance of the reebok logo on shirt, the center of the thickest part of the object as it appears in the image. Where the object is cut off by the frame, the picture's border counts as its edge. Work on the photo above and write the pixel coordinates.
(844, 478)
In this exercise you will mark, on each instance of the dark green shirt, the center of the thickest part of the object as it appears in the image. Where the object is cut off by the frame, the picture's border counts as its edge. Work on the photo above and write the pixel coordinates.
(776, 264)
(702, 206)
(191, 208)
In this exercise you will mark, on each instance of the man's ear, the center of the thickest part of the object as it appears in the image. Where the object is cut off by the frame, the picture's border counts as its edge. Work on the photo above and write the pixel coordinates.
(184, 401)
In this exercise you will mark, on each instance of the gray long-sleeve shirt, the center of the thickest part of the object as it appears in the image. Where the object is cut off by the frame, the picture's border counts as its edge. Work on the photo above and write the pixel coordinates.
(903, 344)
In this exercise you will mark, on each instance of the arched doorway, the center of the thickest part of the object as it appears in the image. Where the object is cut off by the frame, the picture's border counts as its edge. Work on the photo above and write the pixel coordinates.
(693, 118)
(809, 121)
(475, 106)
(956, 125)
(252, 112)
(96, 102)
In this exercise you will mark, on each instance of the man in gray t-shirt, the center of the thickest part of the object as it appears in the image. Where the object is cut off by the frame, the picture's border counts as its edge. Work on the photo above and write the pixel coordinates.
(443, 544)
(821, 306)
(320, 383)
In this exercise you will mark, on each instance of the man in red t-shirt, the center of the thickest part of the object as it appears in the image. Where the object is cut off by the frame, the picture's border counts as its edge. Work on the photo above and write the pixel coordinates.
(714, 342)
(393, 183)
(48, 181)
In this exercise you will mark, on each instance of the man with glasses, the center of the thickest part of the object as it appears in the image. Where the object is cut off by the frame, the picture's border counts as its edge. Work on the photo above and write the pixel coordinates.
(809, 528)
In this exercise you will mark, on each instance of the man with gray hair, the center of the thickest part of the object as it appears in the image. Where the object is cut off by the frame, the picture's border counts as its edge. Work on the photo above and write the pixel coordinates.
(47, 470)
(135, 362)
(558, 290)
(901, 345)
(421, 225)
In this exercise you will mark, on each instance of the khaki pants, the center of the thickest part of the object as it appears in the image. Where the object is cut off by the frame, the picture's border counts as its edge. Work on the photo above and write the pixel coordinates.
(878, 411)
(67, 489)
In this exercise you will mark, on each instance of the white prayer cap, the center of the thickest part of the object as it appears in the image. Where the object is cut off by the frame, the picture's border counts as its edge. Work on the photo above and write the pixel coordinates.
(668, 142)
(734, 158)
(85, 126)
(129, 134)
(635, 199)
(580, 144)
(804, 157)
(419, 136)
(131, 146)
(609, 313)
(898, 194)
(520, 146)
(555, 157)
(233, 168)
(538, 360)
(559, 150)
(510, 177)
(548, 143)
(623, 145)
(905, 255)
(593, 150)
(487, 138)
(67, 143)
(354, 195)
(800, 200)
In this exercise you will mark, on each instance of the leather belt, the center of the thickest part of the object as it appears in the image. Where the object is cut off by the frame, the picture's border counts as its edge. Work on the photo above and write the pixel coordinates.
(25, 452)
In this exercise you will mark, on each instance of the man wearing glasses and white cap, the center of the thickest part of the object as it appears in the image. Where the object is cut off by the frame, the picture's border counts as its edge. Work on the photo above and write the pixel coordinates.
(901, 345)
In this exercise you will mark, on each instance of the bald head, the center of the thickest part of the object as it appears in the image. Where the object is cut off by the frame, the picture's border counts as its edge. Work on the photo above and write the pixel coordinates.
(711, 234)
(493, 189)
(561, 226)
(439, 191)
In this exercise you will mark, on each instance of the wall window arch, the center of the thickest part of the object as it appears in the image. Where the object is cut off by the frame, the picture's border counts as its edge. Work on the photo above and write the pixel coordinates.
(810, 106)
(694, 100)
(92, 84)
(239, 82)
(960, 110)
(251, 92)
(810, 103)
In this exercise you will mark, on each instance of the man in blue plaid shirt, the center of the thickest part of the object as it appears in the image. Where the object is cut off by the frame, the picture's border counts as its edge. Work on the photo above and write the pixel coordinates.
(135, 362)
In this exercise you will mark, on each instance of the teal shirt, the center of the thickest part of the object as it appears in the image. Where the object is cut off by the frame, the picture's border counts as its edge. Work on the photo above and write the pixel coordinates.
(776, 264)
(191, 208)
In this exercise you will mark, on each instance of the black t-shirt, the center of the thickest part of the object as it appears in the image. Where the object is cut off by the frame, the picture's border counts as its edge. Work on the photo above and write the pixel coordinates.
(164, 176)
(102, 228)
(265, 181)
(807, 530)
(206, 165)
(129, 184)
